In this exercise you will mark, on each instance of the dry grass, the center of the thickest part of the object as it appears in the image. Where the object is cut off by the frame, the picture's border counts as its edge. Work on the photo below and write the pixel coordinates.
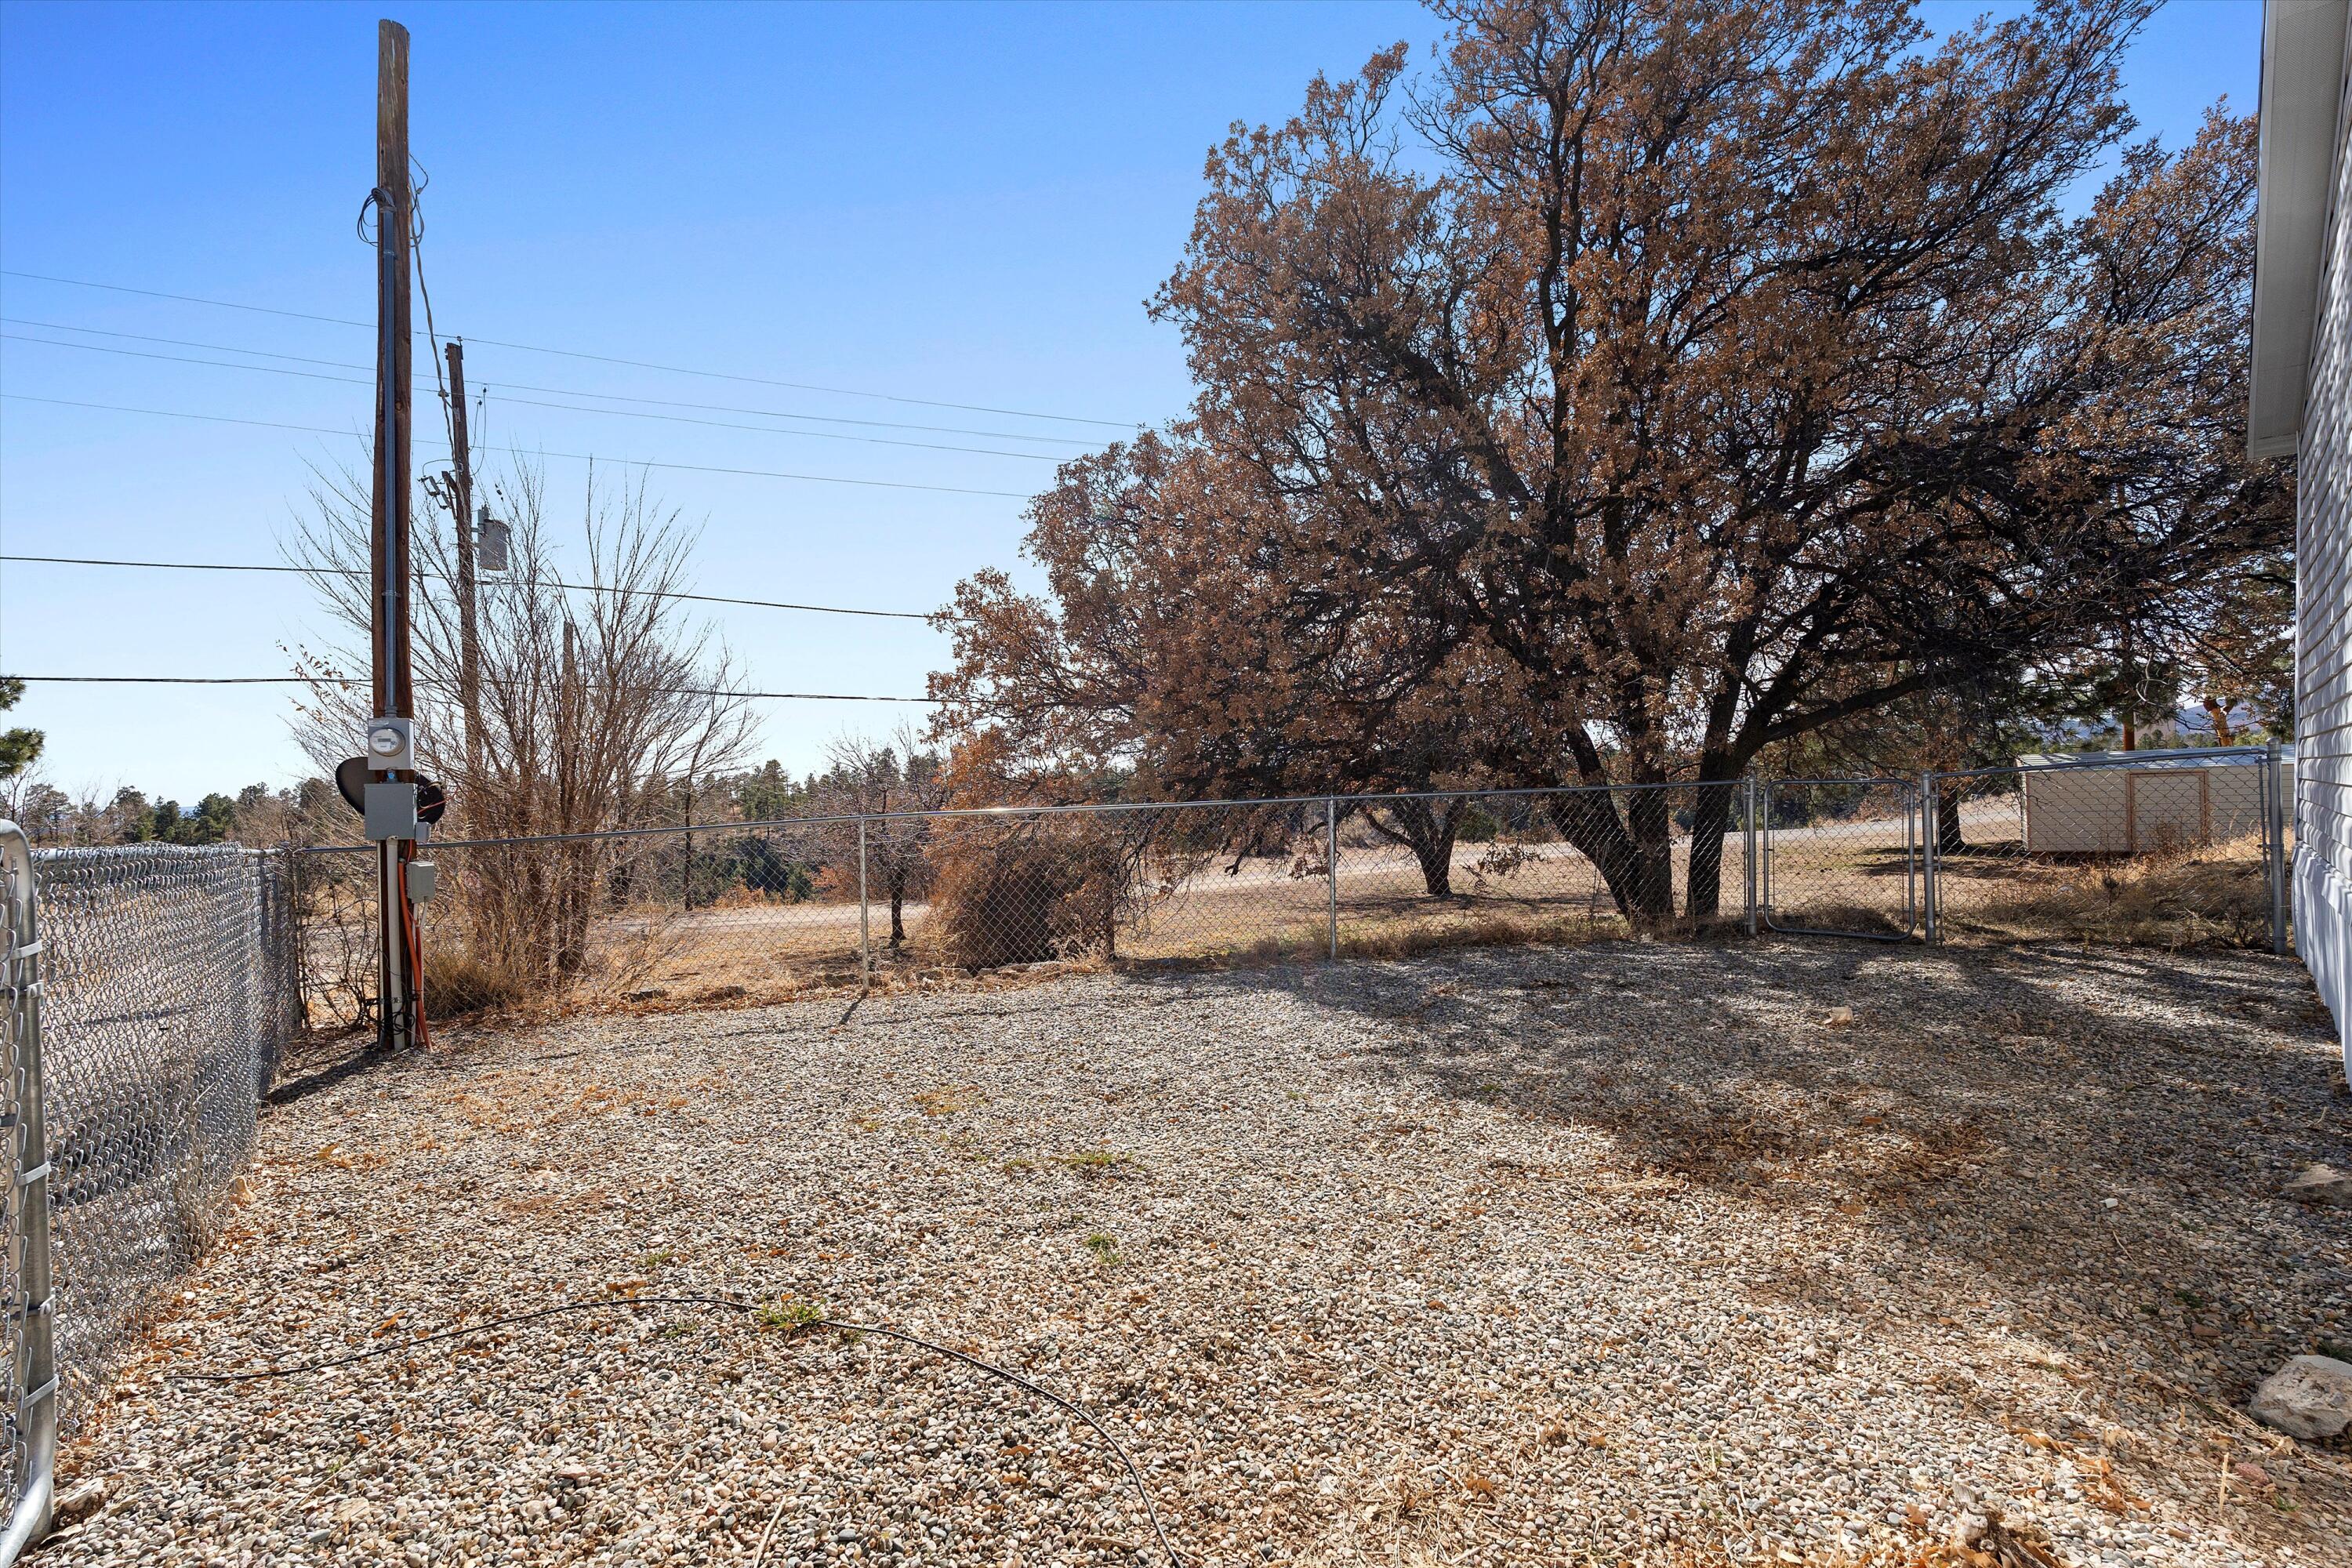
(745, 951)
(456, 984)
(2198, 895)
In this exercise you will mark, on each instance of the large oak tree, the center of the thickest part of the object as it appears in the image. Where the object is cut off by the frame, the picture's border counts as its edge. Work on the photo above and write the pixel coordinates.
(1650, 382)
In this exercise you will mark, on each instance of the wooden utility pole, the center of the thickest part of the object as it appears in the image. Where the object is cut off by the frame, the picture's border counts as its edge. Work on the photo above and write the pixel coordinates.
(389, 508)
(461, 503)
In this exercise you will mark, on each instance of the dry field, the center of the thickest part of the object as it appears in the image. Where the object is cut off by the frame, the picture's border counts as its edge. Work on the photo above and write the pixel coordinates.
(1621, 1253)
(1858, 875)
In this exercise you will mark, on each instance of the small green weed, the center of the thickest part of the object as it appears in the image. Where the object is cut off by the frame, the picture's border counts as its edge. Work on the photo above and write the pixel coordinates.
(788, 1312)
(1105, 1248)
(1096, 1162)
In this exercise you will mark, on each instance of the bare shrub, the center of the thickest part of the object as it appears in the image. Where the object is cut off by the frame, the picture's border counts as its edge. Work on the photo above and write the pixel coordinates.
(543, 709)
(455, 983)
(1004, 897)
(1025, 893)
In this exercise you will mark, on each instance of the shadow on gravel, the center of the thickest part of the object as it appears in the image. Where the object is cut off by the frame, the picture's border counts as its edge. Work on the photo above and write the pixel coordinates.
(330, 1063)
(2090, 1137)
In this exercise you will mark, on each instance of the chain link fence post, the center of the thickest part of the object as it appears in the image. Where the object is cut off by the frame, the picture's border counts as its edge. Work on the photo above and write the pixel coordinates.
(32, 1394)
(1931, 822)
(1331, 867)
(2274, 798)
(1753, 804)
(864, 933)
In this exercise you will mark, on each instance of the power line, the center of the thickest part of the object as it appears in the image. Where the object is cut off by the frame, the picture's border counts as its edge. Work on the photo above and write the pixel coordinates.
(557, 582)
(563, 391)
(530, 452)
(576, 354)
(532, 402)
(184, 359)
(177, 343)
(346, 680)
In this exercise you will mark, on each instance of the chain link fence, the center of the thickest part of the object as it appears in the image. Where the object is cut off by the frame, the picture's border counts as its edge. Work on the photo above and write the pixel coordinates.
(2168, 848)
(731, 914)
(168, 986)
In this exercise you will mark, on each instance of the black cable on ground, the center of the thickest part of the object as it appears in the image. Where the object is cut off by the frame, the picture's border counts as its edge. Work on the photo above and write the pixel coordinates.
(632, 1302)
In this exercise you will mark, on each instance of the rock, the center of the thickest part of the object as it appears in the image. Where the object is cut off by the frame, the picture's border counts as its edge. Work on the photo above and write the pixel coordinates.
(1838, 1018)
(2319, 1184)
(79, 1502)
(2309, 1398)
(652, 994)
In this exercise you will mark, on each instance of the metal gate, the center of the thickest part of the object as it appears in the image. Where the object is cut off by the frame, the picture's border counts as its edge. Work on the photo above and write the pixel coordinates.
(1841, 857)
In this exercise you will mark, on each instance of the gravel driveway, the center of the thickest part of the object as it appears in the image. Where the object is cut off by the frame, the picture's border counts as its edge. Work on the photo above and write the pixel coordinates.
(1627, 1252)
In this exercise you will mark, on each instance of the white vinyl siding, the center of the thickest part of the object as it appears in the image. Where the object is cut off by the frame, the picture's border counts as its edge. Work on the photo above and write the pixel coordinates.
(2323, 682)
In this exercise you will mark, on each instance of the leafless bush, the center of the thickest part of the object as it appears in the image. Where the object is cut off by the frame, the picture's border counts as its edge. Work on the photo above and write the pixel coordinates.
(458, 983)
(1027, 891)
(542, 709)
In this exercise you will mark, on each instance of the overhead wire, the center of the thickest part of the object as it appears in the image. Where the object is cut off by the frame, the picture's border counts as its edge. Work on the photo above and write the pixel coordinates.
(560, 391)
(355, 680)
(540, 452)
(533, 402)
(555, 582)
(597, 358)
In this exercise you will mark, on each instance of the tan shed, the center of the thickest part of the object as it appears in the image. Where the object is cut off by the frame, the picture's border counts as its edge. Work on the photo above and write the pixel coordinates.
(2125, 802)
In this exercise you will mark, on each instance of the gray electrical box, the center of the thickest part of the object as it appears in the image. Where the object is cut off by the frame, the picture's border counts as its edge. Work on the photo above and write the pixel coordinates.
(491, 543)
(422, 877)
(391, 810)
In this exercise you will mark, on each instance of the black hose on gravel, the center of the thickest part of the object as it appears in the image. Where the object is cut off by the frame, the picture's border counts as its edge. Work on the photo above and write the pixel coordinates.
(798, 1326)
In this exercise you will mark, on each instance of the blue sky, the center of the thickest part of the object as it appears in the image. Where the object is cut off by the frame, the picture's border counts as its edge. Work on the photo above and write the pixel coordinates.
(968, 204)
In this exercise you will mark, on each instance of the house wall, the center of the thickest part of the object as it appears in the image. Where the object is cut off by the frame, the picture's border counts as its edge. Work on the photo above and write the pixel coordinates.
(2323, 682)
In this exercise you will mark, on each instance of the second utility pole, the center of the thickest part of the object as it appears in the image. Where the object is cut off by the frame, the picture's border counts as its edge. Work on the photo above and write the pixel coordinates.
(389, 514)
(461, 497)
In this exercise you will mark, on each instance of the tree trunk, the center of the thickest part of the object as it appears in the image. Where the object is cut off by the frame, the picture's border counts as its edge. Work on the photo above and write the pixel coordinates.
(1428, 832)
(1950, 839)
(1436, 856)
(898, 911)
(1710, 820)
(1634, 853)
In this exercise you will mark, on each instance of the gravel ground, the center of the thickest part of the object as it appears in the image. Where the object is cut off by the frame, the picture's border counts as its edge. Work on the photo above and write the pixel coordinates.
(1620, 1253)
